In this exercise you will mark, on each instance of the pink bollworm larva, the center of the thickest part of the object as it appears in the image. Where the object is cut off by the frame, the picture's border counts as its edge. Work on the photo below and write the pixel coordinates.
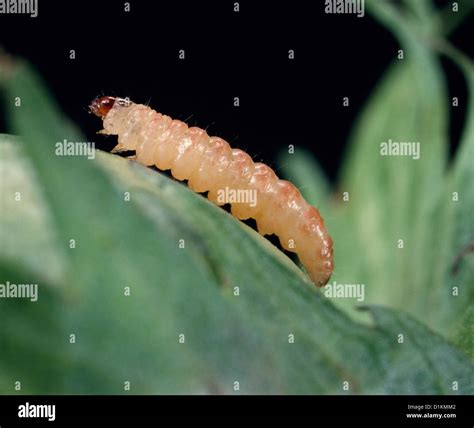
(228, 175)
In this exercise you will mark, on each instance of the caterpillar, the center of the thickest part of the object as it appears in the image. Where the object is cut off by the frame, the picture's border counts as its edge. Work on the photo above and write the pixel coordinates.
(210, 165)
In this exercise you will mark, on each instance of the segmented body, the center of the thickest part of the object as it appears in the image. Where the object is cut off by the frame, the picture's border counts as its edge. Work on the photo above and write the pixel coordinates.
(211, 165)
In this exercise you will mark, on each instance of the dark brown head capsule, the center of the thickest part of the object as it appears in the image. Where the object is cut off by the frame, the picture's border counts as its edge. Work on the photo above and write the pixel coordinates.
(101, 106)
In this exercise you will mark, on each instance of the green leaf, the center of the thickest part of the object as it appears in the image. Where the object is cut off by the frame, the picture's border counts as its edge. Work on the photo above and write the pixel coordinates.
(390, 195)
(439, 228)
(399, 198)
(23, 208)
(234, 297)
(453, 280)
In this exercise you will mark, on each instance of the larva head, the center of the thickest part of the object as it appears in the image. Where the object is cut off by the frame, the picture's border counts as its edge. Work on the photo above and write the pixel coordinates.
(102, 105)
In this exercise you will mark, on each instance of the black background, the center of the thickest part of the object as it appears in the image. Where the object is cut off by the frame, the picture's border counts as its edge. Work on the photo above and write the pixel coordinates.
(228, 55)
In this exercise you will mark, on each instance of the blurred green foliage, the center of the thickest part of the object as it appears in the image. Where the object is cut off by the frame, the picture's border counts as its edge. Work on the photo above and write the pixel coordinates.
(392, 198)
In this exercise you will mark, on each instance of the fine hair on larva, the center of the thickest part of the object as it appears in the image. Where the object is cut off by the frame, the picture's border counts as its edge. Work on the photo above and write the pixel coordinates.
(228, 175)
